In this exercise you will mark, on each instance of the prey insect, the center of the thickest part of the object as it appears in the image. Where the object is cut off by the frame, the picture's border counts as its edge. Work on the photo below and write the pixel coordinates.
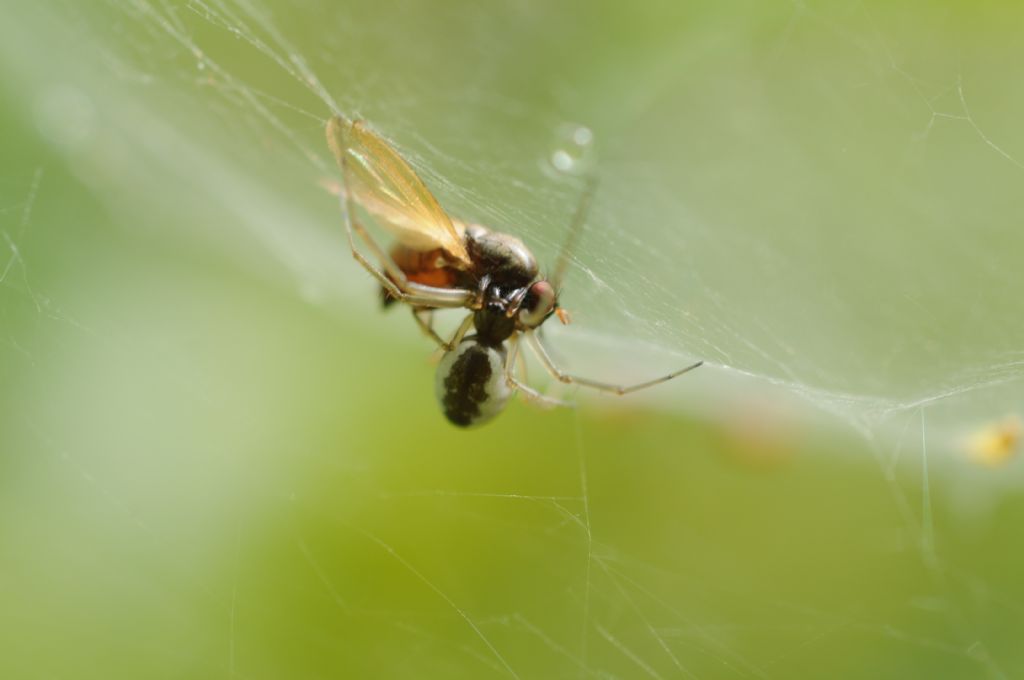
(439, 262)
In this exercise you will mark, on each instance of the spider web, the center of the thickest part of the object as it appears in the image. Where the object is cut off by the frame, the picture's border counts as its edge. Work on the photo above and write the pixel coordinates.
(820, 202)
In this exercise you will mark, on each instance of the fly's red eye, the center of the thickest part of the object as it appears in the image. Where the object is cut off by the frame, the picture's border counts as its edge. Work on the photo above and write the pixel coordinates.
(539, 303)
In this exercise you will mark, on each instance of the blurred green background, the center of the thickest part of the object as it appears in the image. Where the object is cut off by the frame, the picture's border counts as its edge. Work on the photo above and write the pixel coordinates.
(219, 459)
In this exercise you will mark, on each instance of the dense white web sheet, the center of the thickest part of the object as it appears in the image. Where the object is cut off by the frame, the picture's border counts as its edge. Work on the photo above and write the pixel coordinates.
(640, 289)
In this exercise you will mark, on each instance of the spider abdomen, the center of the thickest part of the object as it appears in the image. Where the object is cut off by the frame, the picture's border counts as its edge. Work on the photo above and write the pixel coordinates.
(470, 383)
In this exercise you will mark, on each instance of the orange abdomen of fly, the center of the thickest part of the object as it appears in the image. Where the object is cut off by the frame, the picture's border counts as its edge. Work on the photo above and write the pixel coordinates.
(426, 267)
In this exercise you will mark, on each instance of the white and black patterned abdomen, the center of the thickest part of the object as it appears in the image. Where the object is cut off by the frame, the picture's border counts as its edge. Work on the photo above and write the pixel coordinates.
(470, 383)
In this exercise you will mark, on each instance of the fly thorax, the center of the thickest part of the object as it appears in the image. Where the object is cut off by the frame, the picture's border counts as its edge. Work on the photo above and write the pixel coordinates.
(504, 258)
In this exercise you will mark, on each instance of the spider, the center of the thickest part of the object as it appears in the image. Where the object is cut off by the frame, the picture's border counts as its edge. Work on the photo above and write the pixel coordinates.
(439, 262)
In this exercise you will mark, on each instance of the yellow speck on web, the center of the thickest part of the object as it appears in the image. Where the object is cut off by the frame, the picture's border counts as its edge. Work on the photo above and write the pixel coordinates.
(997, 443)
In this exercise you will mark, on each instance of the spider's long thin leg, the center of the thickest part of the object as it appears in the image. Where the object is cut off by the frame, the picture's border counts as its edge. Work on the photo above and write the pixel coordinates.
(425, 320)
(528, 392)
(559, 375)
(427, 326)
(395, 281)
(572, 237)
(460, 332)
(521, 361)
(396, 275)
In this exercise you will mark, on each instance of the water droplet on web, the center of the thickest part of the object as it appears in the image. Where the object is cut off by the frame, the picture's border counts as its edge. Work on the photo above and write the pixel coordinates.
(561, 160)
(573, 151)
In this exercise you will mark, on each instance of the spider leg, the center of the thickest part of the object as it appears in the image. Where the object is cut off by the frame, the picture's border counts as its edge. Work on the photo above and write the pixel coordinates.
(425, 320)
(557, 373)
(521, 361)
(572, 237)
(398, 286)
(424, 317)
(395, 281)
(528, 392)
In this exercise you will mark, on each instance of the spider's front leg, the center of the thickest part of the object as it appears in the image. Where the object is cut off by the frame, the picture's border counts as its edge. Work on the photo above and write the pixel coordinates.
(620, 390)
(395, 282)
(514, 383)
(427, 326)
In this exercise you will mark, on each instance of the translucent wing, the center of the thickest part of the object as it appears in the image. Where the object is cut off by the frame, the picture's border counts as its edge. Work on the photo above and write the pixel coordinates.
(380, 181)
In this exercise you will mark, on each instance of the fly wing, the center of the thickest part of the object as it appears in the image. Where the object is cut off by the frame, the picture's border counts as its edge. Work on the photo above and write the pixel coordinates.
(380, 181)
